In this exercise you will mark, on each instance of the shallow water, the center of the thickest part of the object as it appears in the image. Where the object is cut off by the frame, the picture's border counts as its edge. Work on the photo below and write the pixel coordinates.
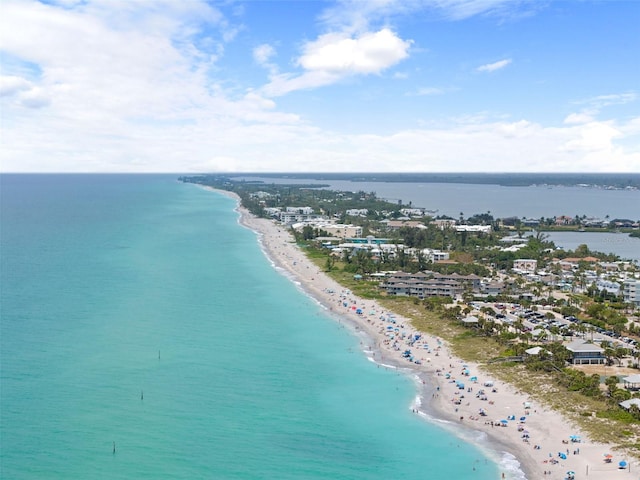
(136, 311)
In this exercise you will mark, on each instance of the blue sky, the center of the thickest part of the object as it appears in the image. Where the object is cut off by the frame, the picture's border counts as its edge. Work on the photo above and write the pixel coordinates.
(375, 85)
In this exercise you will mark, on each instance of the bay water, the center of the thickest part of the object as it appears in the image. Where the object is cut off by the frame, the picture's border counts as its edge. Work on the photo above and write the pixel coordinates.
(533, 201)
(144, 334)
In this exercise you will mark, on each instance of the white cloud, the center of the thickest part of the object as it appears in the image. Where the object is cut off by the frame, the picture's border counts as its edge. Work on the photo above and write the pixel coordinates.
(601, 101)
(356, 15)
(334, 56)
(593, 137)
(368, 53)
(12, 84)
(463, 9)
(129, 89)
(263, 53)
(35, 98)
(582, 117)
(428, 91)
(492, 67)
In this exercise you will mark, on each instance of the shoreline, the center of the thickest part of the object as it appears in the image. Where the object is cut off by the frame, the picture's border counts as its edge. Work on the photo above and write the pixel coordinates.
(511, 423)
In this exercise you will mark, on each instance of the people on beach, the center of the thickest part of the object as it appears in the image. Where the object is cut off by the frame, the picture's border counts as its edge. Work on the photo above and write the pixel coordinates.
(544, 427)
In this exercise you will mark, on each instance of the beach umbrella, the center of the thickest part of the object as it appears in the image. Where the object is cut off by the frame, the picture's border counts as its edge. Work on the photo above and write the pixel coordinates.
(563, 456)
(522, 419)
(571, 472)
(608, 455)
(622, 464)
(504, 422)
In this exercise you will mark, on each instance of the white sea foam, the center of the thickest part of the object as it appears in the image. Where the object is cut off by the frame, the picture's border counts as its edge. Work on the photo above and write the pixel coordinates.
(511, 467)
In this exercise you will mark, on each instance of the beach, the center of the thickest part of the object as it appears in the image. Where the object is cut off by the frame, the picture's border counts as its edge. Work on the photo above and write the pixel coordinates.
(456, 394)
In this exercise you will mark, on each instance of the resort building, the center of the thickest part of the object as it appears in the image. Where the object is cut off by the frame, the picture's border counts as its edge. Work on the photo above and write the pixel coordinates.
(429, 284)
(631, 291)
(343, 231)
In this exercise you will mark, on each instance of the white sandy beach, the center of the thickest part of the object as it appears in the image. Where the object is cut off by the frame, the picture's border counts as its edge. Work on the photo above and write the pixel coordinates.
(536, 441)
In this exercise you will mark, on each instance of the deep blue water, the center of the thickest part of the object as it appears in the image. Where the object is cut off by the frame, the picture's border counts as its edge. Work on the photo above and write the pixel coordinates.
(135, 310)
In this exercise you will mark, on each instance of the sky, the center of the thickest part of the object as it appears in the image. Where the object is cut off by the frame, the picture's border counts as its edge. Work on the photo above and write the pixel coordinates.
(319, 86)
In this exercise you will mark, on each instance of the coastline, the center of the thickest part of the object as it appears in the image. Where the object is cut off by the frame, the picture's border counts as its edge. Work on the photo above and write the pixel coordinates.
(533, 434)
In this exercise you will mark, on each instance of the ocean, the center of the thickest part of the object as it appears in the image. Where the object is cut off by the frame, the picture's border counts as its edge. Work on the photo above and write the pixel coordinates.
(144, 334)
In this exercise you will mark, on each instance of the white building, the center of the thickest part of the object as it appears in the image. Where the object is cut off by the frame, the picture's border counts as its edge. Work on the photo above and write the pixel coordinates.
(631, 291)
(435, 255)
(357, 212)
(300, 210)
(412, 212)
(474, 228)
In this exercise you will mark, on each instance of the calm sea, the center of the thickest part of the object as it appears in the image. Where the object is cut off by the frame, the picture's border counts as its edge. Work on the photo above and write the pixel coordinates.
(138, 315)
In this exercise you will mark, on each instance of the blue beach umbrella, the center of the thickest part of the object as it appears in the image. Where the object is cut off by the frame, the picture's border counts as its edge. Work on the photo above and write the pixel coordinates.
(622, 464)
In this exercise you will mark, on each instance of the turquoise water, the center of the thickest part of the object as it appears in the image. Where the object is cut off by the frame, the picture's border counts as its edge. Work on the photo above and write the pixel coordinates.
(136, 310)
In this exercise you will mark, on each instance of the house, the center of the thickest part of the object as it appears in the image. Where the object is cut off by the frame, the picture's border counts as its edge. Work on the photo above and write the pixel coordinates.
(470, 320)
(632, 382)
(435, 255)
(627, 404)
(531, 222)
(586, 353)
(357, 212)
(525, 265)
(412, 212)
(536, 351)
